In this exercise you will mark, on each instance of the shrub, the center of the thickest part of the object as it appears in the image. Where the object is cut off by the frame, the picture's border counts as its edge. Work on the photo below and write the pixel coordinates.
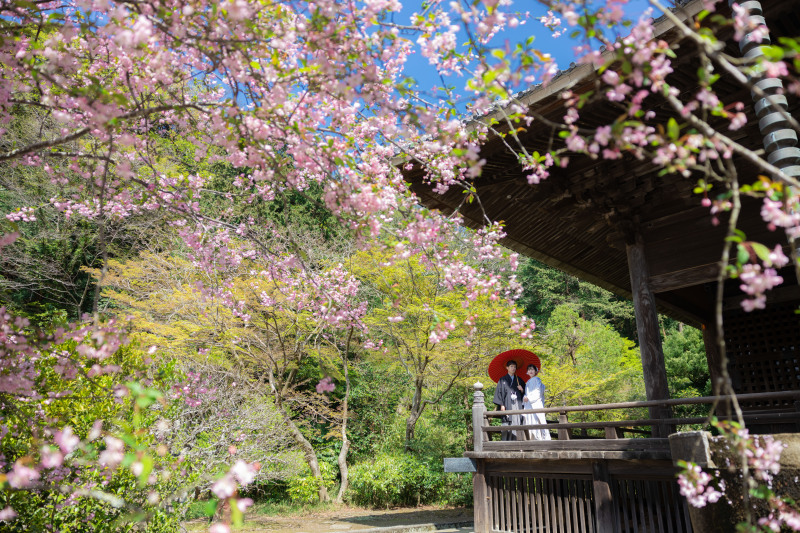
(456, 489)
(304, 488)
(393, 479)
(72, 414)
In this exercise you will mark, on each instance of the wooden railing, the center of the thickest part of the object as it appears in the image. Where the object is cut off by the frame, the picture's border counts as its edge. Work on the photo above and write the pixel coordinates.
(614, 429)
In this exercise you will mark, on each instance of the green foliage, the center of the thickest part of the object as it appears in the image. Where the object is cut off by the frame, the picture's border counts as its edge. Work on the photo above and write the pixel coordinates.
(124, 499)
(588, 362)
(380, 406)
(304, 488)
(299, 212)
(42, 272)
(592, 345)
(444, 431)
(393, 479)
(53, 511)
(376, 398)
(546, 288)
(456, 490)
(425, 327)
(687, 367)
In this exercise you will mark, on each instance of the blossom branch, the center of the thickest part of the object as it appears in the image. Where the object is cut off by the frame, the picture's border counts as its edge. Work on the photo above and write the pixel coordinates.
(715, 51)
(748, 154)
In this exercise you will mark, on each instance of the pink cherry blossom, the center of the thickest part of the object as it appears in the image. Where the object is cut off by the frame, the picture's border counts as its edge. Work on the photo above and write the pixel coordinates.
(325, 385)
(51, 458)
(66, 440)
(224, 487)
(244, 472)
(694, 486)
(244, 503)
(113, 453)
(21, 476)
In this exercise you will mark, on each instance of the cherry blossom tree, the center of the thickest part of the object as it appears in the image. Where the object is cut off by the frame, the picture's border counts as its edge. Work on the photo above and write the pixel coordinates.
(266, 342)
(418, 322)
(298, 94)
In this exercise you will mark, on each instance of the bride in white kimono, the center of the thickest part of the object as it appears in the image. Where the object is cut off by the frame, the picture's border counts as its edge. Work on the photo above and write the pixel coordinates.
(534, 399)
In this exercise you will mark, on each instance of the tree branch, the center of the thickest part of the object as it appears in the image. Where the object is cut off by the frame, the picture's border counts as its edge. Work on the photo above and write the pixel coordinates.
(35, 147)
(748, 154)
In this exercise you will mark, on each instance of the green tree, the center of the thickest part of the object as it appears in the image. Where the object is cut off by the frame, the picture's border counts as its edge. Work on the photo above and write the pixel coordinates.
(423, 327)
(546, 288)
(379, 390)
(587, 362)
(685, 359)
(277, 344)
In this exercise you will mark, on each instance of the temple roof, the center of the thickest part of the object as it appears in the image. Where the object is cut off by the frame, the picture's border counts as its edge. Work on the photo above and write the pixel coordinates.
(577, 220)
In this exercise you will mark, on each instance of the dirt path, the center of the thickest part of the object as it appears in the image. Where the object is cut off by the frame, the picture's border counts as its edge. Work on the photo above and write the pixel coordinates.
(351, 519)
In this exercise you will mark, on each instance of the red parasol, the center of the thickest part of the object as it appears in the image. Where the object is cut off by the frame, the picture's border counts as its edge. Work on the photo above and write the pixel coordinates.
(497, 368)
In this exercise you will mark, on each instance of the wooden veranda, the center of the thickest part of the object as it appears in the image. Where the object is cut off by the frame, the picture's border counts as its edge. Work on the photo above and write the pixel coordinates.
(606, 476)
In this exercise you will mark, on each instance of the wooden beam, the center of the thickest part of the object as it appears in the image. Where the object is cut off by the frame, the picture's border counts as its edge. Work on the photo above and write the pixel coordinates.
(644, 304)
(491, 181)
(603, 502)
(480, 498)
(679, 312)
(679, 217)
(688, 277)
(584, 444)
(713, 356)
(782, 293)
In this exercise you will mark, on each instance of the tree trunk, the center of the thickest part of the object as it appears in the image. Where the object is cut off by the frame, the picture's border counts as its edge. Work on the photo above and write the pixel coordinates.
(343, 468)
(573, 348)
(308, 452)
(417, 406)
(345, 442)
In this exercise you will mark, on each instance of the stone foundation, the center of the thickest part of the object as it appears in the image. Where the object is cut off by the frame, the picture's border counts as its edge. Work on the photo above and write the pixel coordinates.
(716, 457)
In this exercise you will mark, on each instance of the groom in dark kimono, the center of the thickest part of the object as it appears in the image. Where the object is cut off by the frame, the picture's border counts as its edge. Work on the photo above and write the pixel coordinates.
(508, 396)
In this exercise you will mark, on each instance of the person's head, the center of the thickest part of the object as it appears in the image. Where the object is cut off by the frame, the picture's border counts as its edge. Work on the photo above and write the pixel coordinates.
(532, 370)
(511, 366)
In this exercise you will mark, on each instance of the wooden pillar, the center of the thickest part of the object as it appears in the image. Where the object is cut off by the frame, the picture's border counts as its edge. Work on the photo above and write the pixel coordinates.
(480, 492)
(644, 304)
(603, 504)
(712, 356)
(480, 498)
(478, 409)
(563, 434)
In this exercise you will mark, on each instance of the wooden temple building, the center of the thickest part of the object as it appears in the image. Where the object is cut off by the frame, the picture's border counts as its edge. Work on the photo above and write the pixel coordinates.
(642, 234)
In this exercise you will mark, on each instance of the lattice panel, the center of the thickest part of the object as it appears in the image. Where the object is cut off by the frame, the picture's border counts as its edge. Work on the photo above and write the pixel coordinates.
(649, 505)
(564, 503)
(763, 350)
(539, 503)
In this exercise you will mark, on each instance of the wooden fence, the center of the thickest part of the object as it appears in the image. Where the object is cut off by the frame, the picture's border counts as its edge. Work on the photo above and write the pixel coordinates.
(784, 409)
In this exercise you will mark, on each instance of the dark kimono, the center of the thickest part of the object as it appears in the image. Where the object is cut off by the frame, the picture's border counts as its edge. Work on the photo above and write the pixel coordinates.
(508, 395)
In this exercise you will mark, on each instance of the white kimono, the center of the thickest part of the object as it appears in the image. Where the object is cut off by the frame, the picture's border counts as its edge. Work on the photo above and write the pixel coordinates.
(534, 394)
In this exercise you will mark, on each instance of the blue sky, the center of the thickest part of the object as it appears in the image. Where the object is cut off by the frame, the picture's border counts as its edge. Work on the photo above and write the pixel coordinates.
(560, 48)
